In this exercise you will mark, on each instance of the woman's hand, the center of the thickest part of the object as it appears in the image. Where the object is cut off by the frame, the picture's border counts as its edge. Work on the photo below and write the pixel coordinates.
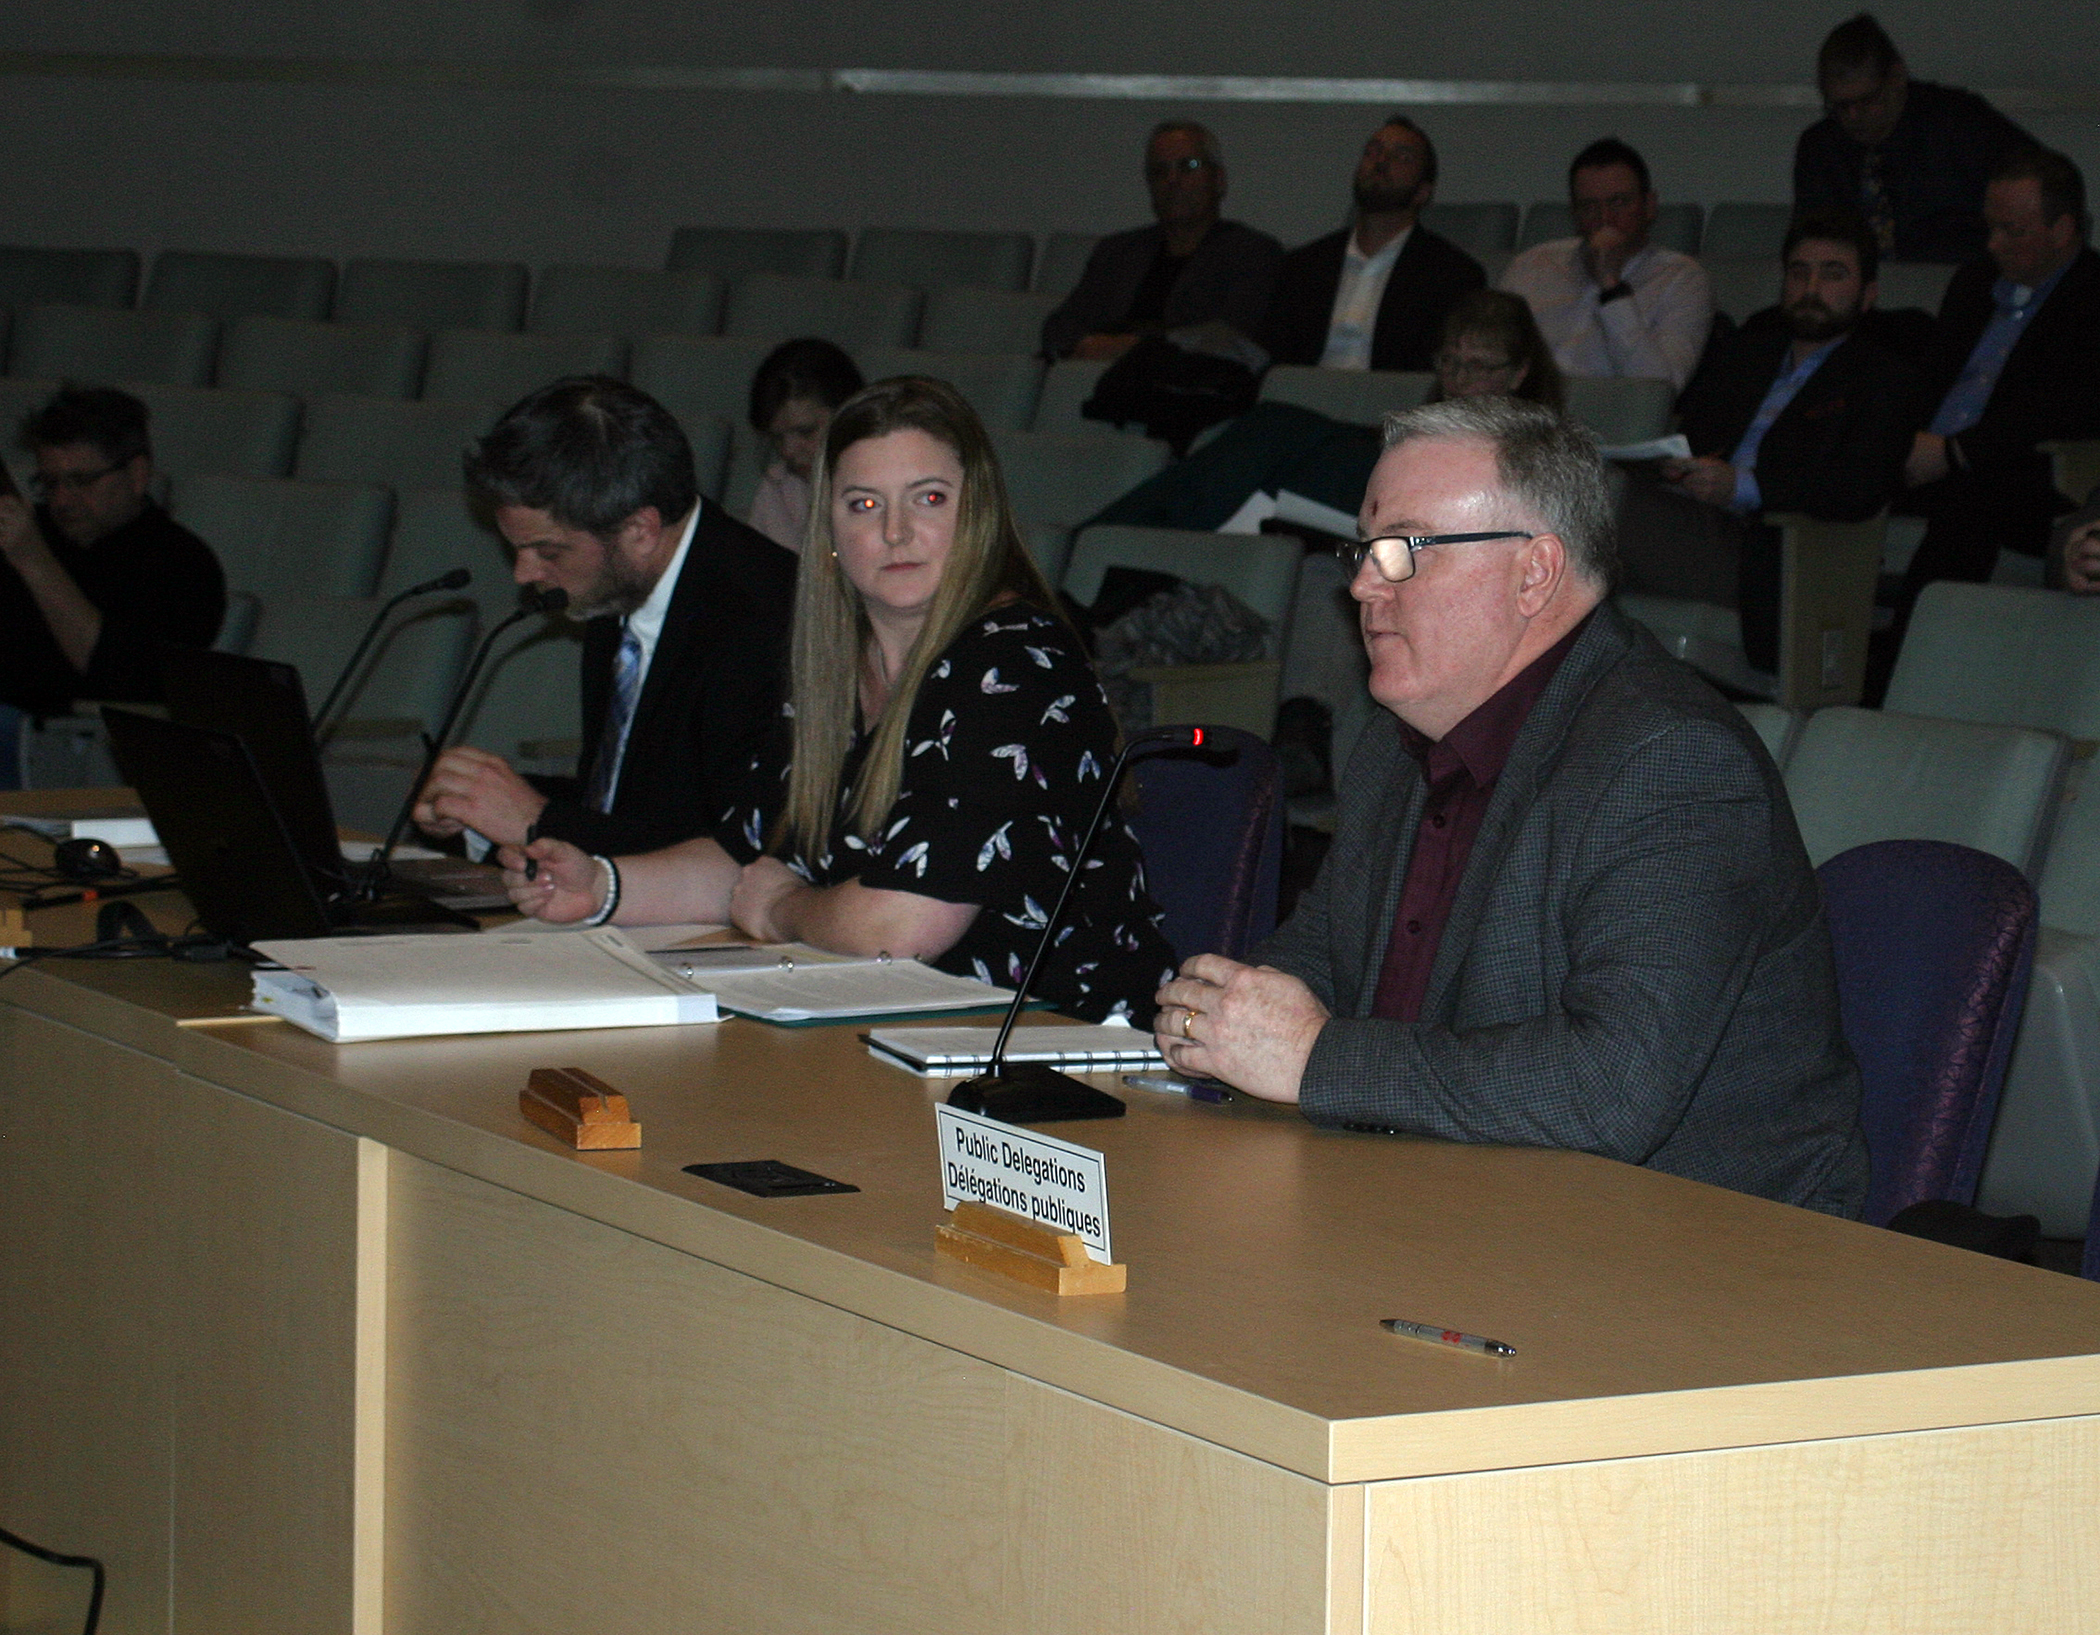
(764, 888)
(567, 883)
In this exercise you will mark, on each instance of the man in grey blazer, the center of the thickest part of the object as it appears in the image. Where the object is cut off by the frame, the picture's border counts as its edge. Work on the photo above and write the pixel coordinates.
(1567, 904)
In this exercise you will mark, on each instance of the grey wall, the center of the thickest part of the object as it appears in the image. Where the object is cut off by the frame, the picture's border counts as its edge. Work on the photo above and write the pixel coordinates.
(549, 171)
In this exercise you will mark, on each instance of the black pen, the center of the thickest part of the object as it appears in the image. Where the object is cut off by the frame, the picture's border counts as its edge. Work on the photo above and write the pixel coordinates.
(532, 864)
(1447, 1336)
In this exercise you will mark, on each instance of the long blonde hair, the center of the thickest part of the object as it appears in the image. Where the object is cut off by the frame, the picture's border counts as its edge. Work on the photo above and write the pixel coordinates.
(987, 563)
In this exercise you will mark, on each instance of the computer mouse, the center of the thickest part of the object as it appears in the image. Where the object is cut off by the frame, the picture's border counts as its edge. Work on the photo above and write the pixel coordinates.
(86, 861)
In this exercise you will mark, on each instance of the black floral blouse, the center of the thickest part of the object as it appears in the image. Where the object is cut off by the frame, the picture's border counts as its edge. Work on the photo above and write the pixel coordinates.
(1003, 760)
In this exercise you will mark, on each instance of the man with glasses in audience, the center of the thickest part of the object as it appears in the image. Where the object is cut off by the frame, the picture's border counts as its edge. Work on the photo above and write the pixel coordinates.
(1373, 295)
(1610, 303)
(1188, 268)
(1567, 905)
(96, 581)
(1910, 157)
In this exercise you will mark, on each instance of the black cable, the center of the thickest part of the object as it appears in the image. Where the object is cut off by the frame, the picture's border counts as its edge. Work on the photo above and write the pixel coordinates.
(94, 1611)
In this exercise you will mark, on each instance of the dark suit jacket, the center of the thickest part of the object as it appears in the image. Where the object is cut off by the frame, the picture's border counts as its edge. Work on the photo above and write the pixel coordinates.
(1228, 279)
(1836, 451)
(713, 685)
(1636, 964)
(2049, 388)
(1934, 168)
(1428, 277)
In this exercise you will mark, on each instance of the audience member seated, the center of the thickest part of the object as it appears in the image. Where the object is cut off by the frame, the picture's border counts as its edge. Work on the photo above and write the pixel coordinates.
(1188, 268)
(97, 581)
(945, 749)
(1611, 303)
(2074, 548)
(1912, 158)
(591, 485)
(792, 397)
(1799, 410)
(1490, 346)
(2017, 364)
(1373, 295)
(1566, 905)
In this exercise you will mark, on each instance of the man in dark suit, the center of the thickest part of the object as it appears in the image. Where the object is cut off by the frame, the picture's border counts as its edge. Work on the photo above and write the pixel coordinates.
(1566, 905)
(2016, 363)
(1373, 295)
(591, 483)
(1800, 410)
(1188, 268)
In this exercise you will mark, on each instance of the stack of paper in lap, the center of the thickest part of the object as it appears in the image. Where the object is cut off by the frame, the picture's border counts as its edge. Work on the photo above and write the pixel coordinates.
(351, 988)
(951, 1053)
(792, 982)
(122, 827)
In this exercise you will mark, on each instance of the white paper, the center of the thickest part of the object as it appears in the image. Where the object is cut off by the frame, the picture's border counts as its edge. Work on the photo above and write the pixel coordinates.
(1673, 447)
(840, 992)
(1310, 513)
(963, 1051)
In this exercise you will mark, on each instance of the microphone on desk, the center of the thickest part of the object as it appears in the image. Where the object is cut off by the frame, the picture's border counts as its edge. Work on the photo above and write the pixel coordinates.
(457, 579)
(532, 599)
(1033, 1092)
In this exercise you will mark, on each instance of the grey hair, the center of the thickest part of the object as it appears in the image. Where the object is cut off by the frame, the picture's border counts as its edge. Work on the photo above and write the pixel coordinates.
(1548, 466)
(1202, 133)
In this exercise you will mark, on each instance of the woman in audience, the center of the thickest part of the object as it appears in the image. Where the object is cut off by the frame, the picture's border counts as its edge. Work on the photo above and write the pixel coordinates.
(792, 399)
(945, 746)
(1492, 347)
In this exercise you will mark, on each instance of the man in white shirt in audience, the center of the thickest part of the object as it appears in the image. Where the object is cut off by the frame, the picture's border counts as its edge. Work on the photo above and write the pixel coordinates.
(1609, 302)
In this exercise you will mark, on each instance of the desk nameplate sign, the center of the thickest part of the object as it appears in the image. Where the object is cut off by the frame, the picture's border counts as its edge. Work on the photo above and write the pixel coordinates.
(1026, 1206)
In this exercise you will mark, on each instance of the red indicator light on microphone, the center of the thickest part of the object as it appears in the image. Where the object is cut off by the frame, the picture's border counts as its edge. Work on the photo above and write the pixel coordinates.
(1196, 738)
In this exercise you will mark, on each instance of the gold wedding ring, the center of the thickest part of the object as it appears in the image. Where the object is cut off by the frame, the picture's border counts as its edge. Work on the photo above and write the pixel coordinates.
(1188, 1016)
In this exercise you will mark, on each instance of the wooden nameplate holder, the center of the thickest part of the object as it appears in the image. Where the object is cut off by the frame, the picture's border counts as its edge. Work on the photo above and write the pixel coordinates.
(578, 1108)
(995, 1241)
(14, 929)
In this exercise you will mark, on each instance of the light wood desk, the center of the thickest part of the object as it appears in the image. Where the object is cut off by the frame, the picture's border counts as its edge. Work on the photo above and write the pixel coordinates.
(300, 1337)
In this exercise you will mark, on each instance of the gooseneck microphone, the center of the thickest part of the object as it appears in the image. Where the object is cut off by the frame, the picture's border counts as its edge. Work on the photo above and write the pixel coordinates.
(1032, 1092)
(457, 579)
(531, 599)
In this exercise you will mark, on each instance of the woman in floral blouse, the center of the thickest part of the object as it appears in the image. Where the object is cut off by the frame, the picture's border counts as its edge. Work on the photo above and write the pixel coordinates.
(945, 744)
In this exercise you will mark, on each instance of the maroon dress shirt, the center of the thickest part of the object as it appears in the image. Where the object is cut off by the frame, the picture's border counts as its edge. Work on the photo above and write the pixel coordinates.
(1460, 769)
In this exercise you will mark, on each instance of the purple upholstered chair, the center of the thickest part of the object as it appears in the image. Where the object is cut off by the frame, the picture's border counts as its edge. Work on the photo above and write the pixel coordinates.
(1934, 942)
(1210, 823)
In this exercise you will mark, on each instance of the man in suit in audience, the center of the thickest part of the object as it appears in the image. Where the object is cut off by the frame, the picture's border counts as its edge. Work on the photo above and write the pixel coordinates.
(591, 484)
(1799, 410)
(97, 581)
(1188, 268)
(1911, 157)
(2016, 363)
(1609, 302)
(1373, 295)
(1566, 905)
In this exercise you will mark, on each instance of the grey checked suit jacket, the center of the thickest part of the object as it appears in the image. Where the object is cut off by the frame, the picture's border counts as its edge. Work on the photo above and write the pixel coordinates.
(1636, 964)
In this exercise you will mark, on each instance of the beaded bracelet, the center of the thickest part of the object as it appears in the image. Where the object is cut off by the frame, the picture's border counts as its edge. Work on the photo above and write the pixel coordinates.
(611, 905)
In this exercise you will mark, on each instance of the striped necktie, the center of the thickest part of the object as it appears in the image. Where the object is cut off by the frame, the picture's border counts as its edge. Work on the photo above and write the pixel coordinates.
(619, 717)
(1875, 203)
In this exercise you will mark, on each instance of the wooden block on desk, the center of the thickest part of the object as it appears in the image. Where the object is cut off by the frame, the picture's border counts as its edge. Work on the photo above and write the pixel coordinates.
(994, 1241)
(14, 929)
(580, 1109)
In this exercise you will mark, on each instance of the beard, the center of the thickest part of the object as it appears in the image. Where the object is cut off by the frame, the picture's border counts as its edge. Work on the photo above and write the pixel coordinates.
(1810, 320)
(1375, 200)
(618, 591)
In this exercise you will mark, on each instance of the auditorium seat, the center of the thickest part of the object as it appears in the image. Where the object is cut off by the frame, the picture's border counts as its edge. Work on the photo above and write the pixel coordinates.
(1621, 411)
(971, 320)
(99, 346)
(378, 440)
(1001, 387)
(202, 429)
(708, 435)
(287, 355)
(750, 452)
(1050, 547)
(1061, 481)
(480, 365)
(1677, 226)
(1361, 396)
(434, 531)
(278, 536)
(409, 674)
(1210, 826)
(774, 307)
(731, 252)
(433, 294)
(527, 706)
(1486, 228)
(1864, 775)
(34, 277)
(1779, 730)
(627, 301)
(1745, 232)
(1743, 287)
(928, 259)
(19, 399)
(1062, 260)
(241, 286)
(1067, 384)
(1995, 653)
(1920, 284)
(699, 376)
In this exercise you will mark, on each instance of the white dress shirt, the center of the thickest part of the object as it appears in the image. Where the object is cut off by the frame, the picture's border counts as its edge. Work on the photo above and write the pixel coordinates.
(647, 621)
(1356, 301)
(1656, 333)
